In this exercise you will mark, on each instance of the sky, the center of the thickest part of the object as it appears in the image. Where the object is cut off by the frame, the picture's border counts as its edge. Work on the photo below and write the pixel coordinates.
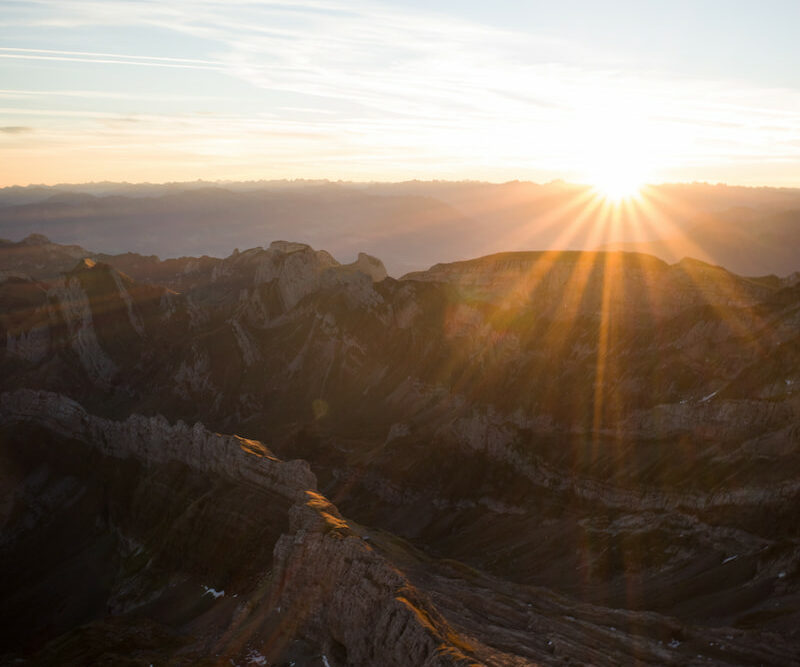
(644, 91)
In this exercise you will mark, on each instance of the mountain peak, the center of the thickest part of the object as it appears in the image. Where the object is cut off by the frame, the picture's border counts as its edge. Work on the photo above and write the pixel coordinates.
(288, 247)
(35, 239)
(369, 265)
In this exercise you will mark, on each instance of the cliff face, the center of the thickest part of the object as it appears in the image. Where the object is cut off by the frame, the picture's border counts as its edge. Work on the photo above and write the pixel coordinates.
(334, 585)
(577, 432)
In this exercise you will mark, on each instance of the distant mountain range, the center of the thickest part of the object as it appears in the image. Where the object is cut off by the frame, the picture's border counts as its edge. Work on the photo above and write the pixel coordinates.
(411, 225)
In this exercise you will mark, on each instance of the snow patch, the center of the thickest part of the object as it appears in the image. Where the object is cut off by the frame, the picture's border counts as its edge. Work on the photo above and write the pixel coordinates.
(709, 397)
(397, 430)
(255, 658)
(214, 592)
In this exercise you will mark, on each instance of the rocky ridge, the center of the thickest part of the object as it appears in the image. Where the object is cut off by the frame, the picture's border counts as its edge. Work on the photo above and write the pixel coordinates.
(328, 581)
(153, 441)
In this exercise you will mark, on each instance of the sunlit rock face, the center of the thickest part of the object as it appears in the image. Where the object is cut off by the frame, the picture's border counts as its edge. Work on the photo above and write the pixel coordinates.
(73, 304)
(522, 458)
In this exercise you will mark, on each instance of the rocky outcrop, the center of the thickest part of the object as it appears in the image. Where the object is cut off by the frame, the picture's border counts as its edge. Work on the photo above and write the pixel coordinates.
(133, 316)
(35, 240)
(37, 257)
(31, 345)
(289, 247)
(76, 310)
(333, 586)
(369, 265)
(295, 267)
(298, 270)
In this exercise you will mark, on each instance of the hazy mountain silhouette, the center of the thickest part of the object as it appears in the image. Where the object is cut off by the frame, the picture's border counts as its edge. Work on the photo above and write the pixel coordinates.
(413, 224)
(753, 243)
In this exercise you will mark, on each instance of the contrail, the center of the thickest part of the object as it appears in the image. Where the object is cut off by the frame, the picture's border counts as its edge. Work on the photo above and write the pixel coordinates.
(18, 56)
(112, 55)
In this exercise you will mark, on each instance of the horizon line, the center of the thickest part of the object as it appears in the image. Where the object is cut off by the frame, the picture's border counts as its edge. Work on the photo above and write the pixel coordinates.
(555, 181)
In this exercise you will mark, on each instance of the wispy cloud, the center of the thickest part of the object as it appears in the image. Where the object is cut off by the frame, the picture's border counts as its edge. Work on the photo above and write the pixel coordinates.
(15, 129)
(107, 58)
(94, 54)
(17, 93)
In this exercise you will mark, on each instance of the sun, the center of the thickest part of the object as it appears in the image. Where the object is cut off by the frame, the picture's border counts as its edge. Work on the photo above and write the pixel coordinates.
(618, 185)
(617, 150)
(618, 173)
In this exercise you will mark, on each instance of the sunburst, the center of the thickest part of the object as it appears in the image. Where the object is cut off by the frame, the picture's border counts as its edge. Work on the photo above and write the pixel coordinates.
(618, 184)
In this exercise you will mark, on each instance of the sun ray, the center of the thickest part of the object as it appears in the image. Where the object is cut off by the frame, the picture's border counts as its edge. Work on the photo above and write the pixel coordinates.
(550, 218)
(709, 279)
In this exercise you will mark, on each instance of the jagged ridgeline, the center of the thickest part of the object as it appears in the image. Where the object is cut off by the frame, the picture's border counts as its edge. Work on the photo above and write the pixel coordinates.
(277, 458)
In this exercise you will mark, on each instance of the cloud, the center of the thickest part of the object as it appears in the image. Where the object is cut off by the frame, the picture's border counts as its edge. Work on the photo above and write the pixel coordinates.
(15, 129)
(362, 82)
(12, 93)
